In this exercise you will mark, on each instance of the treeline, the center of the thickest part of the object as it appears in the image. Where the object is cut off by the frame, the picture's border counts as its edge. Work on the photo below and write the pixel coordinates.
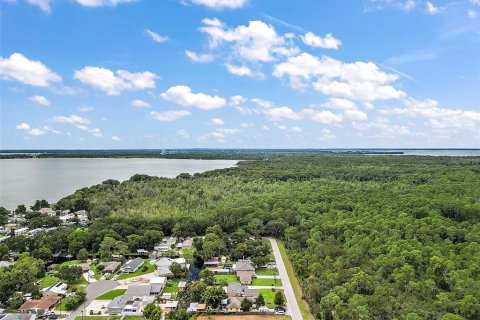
(370, 237)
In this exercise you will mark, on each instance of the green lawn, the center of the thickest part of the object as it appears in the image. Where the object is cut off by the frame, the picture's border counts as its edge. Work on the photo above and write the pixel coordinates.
(172, 286)
(71, 263)
(269, 297)
(267, 282)
(110, 295)
(266, 272)
(150, 268)
(304, 309)
(48, 281)
(61, 306)
(97, 273)
(227, 277)
(134, 318)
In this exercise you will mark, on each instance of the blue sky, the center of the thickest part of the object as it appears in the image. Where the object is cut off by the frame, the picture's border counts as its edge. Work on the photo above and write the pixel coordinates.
(95, 74)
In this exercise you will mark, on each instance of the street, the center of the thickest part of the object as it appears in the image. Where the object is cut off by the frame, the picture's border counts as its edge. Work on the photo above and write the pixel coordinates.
(93, 290)
(292, 306)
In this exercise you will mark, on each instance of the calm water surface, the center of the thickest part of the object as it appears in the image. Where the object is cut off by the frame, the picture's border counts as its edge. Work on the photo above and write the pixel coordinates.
(22, 181)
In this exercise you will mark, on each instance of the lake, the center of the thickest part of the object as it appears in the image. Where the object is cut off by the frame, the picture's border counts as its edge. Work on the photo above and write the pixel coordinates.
(22, 181)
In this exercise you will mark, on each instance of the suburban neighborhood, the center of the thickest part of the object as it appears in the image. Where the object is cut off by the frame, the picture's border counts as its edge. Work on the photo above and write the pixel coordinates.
(169, 279)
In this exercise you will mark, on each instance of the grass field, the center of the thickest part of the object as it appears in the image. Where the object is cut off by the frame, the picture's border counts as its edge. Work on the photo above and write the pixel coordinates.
(48, 281)
(139, 272)
(61, 306)
(266, 272)
(304, 309)
(172, 286)
(134, 318)
(268, 296)
(267, 282)
(227, 277)
(97, 273)
(110, 295)
(70, 263)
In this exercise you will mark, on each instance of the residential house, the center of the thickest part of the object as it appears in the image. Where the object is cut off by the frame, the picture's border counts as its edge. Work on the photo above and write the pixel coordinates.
(165, 244)
(142, 252)
(48, 211)
(132, 265)
(250, 293)
(109, 267)
(185, 244)
(234, 289)
(157, 285)
(245, 271)
(117, 305)
(163, 265)
(40, 306)
(213, 262)
(138, 290)
(57, 289)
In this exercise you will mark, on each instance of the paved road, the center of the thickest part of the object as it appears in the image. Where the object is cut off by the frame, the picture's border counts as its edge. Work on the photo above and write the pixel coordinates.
(292, 306)
(93, 290)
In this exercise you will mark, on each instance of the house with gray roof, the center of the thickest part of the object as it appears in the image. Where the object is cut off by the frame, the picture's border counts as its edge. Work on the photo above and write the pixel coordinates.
(132, 265)
(245, 271)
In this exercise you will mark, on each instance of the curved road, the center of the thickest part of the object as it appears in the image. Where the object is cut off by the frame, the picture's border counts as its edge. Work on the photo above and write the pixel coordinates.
(292, 305)
(93, 290)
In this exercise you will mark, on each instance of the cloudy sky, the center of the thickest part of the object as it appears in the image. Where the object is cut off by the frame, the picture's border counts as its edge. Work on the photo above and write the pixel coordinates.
(239, 73)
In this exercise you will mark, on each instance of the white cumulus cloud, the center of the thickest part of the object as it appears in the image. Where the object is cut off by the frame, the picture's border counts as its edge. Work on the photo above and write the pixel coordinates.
(170, 115)
(114, 83)
(328, 42)
(41, 100)
(20, 68)
(140, 104)
(183, 95)
(102, 3)
(200, 58)
(217, 121)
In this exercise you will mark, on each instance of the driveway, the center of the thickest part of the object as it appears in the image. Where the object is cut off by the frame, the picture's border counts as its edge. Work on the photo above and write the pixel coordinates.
(292, 305)
(93, 290)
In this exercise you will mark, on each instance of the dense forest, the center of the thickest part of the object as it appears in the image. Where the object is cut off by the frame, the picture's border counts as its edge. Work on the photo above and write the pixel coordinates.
(370, 237)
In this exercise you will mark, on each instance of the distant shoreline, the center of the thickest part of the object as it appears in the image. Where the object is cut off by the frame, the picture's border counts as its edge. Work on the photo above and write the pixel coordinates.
(225, 154)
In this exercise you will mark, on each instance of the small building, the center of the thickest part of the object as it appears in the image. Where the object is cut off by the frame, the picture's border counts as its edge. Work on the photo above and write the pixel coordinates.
(213, 262)
(251, 293)
(40, 306)
(142, 252)
(234, 304)
(245, 271)
(132, 265)
(181, 286)
(109, 267)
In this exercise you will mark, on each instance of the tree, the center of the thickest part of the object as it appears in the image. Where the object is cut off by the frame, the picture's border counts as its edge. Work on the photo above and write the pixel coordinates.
(21, 209)
(246, 305)
(15, 300)
(196, 290)
(279, 299)
(82, 254)
(39, 204)
(43, 253)
(177, 270)
(213, 296)
(70, 273)
(207, 276)
(149, 308)
(3, 215)
(151, 238)
(260, 300)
